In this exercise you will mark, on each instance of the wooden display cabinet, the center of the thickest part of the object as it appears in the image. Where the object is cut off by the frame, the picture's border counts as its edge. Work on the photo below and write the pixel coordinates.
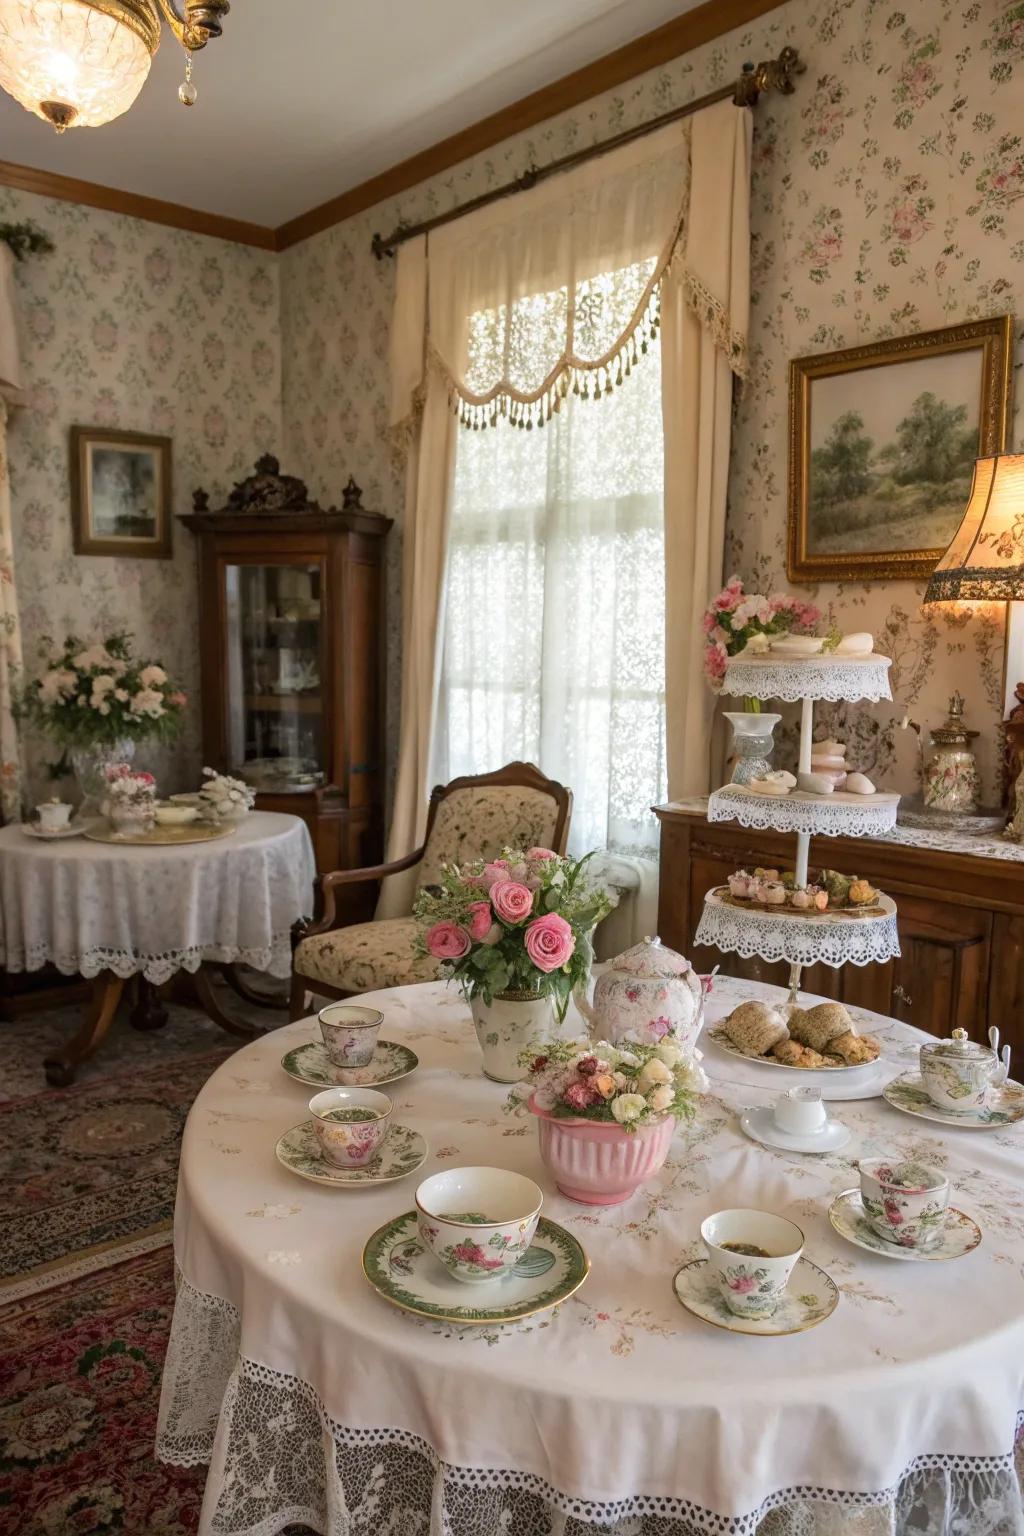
(960, 917)
(291, 611)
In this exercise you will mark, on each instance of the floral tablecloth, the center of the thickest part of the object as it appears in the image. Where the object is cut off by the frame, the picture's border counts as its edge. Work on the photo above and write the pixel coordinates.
(86, 906)
(316, 1402)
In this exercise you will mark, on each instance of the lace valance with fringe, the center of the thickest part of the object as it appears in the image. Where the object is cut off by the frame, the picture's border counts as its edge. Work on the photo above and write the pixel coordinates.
(557, 290)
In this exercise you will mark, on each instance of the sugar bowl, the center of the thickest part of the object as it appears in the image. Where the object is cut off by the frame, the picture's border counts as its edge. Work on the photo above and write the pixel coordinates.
(957, 1073)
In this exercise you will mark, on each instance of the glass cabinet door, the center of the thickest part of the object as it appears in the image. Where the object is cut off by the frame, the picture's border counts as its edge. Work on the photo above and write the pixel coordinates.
(275, 647)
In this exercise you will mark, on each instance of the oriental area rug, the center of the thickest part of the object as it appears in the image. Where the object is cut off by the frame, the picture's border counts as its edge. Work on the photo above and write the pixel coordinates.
(87, 1274)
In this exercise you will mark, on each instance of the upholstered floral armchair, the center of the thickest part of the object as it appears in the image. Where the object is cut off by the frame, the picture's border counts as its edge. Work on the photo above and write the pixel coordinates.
(472, 817)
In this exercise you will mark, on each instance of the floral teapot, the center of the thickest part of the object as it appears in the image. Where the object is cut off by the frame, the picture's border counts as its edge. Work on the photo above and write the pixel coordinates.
(648, 994)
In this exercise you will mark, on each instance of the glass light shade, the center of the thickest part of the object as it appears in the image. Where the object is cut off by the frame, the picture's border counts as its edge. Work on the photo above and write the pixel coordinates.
(92, 59)
(985, 562)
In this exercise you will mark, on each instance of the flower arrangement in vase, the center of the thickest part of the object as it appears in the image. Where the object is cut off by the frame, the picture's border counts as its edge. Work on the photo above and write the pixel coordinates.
(514, 932)
(606, 1115)
(223, 798)
(96, 702)
(130, 801)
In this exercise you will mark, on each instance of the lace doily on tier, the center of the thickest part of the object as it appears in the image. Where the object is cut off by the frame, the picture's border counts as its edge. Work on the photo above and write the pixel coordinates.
(837, 815)
(278, 1458)
(828, 939)
(834, 679)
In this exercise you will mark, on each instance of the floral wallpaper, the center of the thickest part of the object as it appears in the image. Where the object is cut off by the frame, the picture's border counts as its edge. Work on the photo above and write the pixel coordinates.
(131, 325)
(888, 198)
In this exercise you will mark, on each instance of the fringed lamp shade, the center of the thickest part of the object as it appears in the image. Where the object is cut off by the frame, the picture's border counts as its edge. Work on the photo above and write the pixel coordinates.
(985, 562)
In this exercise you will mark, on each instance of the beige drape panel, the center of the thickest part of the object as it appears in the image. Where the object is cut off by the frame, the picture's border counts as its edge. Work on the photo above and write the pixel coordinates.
(558, 289)
(10, 628)
(710, 282)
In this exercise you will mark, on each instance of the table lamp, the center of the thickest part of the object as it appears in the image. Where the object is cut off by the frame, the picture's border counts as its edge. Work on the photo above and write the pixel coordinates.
(985, 562)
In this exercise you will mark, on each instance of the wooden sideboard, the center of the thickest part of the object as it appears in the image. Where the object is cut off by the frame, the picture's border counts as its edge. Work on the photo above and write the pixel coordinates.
(961, 922)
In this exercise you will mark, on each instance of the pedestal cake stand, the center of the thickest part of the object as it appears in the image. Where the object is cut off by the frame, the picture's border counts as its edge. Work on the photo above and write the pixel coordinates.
(836, 937)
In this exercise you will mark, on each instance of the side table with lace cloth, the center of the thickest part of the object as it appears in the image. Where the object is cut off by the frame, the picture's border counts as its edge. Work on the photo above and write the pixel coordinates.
(111, 912)
(620, 1414)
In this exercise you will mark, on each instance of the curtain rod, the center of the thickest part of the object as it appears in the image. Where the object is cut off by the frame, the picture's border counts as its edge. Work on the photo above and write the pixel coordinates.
(771, 75)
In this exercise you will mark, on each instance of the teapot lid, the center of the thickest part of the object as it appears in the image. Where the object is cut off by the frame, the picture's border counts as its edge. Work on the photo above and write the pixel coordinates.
(959, 1047)
(651, 958)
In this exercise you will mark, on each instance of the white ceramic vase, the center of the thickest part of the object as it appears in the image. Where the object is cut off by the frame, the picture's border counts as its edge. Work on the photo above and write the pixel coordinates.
(506, 1025)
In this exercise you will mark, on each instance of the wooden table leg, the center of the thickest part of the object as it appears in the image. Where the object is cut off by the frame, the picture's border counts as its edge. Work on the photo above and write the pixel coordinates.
(213, 1010)
(106, 994)
(148, 1012)
(250, 994)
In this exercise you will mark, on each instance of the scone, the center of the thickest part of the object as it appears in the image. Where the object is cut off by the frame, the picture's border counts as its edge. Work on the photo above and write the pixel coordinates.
(792, 1054)
(754, 1028)
(855, 1049)
(818, 1027)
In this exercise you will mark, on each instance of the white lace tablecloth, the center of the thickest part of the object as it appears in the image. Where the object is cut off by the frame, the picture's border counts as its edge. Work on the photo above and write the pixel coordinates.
(621, 1413)
(85, 906)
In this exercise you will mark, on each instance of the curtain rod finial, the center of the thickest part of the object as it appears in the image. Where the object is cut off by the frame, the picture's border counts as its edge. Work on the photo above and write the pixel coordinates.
(770, 75)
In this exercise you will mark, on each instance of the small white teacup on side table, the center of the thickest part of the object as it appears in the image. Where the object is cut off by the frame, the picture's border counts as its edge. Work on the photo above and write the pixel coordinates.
(958, 1073)
(54, 816)
(751, 1255)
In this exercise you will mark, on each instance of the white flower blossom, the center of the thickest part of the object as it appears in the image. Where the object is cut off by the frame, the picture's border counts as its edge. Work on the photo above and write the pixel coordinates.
(628, 1107)
(152, 677)
(670, 1053)
(148, 702)
(662, 1097)
(653, 1073)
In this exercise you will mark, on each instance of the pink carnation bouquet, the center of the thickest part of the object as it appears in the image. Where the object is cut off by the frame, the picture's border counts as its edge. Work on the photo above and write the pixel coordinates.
(734, 617)
(521, 922)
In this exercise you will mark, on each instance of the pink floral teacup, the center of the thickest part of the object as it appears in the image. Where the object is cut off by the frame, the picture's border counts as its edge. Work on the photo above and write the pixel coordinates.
(350, 1033)
(351, 1124)
(478, 1222)
(904, 1201)
(751, 1255)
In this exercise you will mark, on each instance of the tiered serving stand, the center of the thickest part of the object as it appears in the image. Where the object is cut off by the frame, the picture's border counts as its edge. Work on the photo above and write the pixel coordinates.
(836, 937)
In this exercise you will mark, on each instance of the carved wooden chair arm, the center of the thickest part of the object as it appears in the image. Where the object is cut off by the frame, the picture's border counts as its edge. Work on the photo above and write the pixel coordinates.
(327, 884)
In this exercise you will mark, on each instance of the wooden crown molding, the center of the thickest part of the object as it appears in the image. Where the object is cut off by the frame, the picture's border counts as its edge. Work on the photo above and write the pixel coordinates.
(712, 19)
(68, 189)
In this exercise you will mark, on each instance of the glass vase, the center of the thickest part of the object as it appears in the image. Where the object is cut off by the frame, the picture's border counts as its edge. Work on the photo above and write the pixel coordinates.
(90, 764)
(751, 743)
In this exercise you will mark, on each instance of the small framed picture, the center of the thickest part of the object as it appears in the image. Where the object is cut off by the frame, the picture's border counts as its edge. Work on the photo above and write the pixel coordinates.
(883, 440)
(120, 493)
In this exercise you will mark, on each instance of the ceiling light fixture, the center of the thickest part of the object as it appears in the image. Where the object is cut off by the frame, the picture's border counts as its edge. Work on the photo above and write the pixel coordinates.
(81, 63)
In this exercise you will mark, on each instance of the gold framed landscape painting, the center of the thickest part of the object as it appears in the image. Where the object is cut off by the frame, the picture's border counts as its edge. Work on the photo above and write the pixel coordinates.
(120, 493)
(883, 440)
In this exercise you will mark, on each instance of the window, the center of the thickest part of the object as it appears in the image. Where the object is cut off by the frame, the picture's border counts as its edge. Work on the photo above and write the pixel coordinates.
(555, 602)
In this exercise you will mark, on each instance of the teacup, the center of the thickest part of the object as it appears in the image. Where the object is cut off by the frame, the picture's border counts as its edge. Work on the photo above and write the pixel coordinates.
(904, 1202)
(958, 1073)
(751, 1255)
(54, 815)
(350, 1033)
(351, 1124)
(800, 1112)
(478, 1222)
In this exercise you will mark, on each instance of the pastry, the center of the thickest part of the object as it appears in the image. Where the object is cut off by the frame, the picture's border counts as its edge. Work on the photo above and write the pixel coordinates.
(855, 1049)
(815, 783)
(792, 1054)
(818, 1027)
(858, 644)
(754, 1028)
(859, 784)
(768, 786)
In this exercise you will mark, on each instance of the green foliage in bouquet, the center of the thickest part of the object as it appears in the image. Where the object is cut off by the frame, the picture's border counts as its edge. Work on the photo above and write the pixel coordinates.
(521, 923)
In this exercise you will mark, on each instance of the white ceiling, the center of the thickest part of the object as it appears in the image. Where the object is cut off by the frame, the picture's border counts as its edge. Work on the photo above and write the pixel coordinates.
(300, 101)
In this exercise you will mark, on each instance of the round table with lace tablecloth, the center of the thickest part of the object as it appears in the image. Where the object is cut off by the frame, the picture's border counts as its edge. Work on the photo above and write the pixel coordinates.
(316, 1402)
(114, 911)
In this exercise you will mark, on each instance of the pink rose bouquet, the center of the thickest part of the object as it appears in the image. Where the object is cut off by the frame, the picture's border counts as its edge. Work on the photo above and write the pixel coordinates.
(734, 617)
(521, 922)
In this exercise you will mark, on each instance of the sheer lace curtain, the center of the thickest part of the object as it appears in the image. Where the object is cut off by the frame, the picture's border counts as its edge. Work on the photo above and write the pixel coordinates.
(536, 559)
(553, 644)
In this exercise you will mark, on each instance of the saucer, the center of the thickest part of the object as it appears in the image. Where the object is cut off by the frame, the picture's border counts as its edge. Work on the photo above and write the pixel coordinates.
(721, 1039)
(810, 1297)
(33, 829)
(311, 1064)
(1005, 1105)
(403, 1152)
(402, 1271)
(759, 1124)
(960, 1234)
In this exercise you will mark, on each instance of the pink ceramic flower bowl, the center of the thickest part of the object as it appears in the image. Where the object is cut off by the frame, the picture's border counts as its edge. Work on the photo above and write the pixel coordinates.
(601, 1164)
